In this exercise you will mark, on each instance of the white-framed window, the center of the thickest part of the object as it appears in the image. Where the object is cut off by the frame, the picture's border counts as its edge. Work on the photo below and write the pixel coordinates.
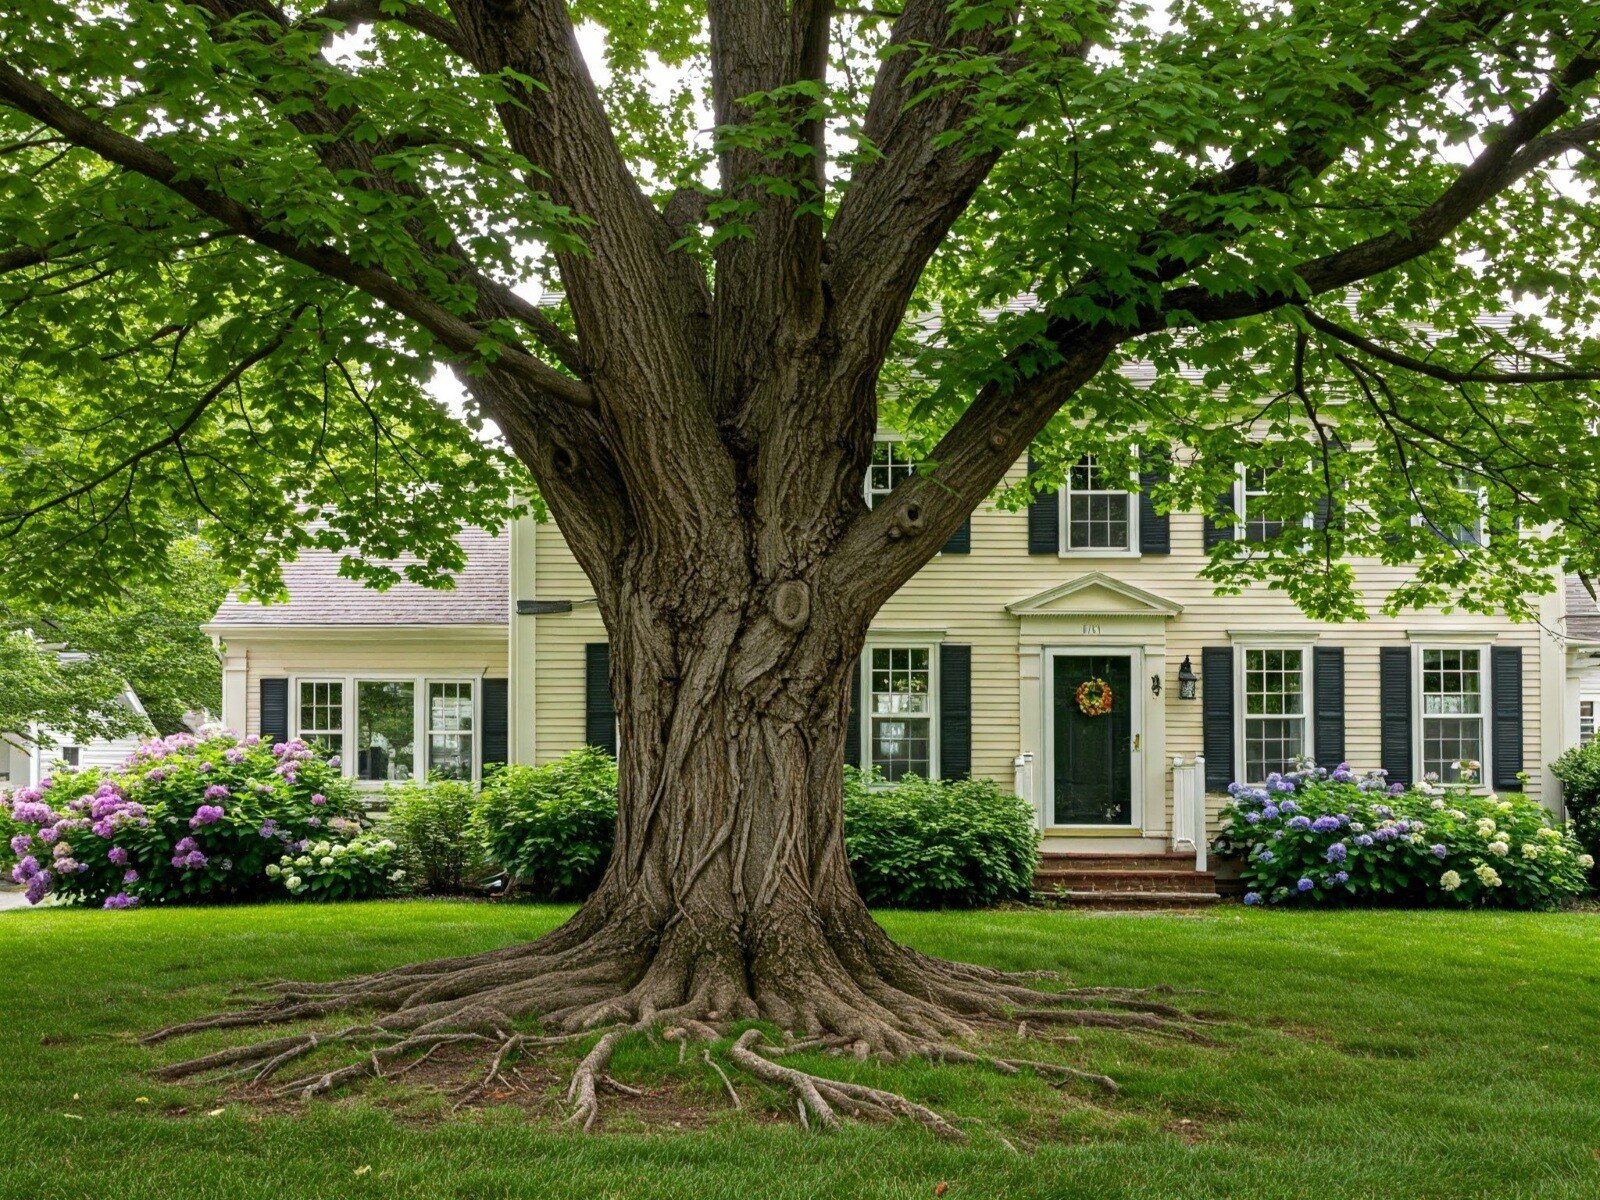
(1099, 514)
(900, 684)
(450, 728)
(891, 463)
(72, 755)
(388, 727)
(1275, 709)
(1452, 684)
(321, 705)
(1586, 714)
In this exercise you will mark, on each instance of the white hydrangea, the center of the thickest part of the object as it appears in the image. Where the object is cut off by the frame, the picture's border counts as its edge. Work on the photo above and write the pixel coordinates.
(303, 861)
(396, 876)
(1416, 839)
(326, 860)
(321, 848)
(274, 870)
(1530, 850)
(1487, 875)
(1450, 881)
(1549, 835)
(1436, 803)
(1586, 861)
(1499, 848)
(1357, 827)
(1486, 826)
(1458, 814)
(292, 882)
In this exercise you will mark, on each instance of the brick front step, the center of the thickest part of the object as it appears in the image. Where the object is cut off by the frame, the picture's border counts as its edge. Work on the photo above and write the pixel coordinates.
(1051, 877)
(1071, 899)
(1153, 860)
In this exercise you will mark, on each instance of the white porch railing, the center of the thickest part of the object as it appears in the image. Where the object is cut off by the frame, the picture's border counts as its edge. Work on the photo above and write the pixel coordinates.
(1189, 808)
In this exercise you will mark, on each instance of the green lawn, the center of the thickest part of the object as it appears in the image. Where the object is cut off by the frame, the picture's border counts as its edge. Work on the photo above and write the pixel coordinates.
(1366, 1055)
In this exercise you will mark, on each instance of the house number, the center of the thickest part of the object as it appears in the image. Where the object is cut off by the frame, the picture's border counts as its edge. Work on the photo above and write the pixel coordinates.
(1091, 628)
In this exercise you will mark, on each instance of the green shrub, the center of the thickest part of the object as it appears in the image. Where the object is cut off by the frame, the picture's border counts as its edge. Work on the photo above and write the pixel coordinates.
(937, 843)
(1319, 837)
(184, 819)
(551, 827)
(439, 843)
(1579, 772)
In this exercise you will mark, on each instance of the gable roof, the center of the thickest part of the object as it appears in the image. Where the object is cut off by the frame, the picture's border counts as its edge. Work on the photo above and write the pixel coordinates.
(319, 596)
(1095, 594)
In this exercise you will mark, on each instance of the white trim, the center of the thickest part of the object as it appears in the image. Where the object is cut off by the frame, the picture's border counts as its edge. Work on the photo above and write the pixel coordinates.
(1136, 750)
(1481, 647)
(1064, 548)
(889, 641)
(1150, 604)
(1241, 715)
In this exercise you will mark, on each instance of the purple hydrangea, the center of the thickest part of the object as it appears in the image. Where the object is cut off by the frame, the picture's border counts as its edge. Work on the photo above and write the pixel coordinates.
(335, 761)
(269, 828)
(27, 867)
(1341, 877)
(1252, 898)
(49, 834)
(1288, 806)
(318, 798)
(1343, 774)
(130, 876)
(1441, 851)
(20, 844)
(185, 845)
(218, 791)
(1270, 812)
(314, 822)
(120, 900)
(1264, 855)
(1300, 822)
(1363, 839)
(1252, 817)
(190, 861)
(1306, 883)
(118, 855)
(234, 755)
(1336, 853)
(206, 814)
(1325, 824)
(32, 812)
(1397, 789)
(204, 768)
(156, 774)
(38, 887)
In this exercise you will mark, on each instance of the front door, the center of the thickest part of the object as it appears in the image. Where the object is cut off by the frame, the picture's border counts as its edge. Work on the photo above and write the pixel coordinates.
(1092, 755)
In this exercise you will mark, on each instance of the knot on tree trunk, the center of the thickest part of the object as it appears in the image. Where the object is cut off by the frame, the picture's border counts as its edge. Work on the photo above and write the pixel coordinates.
(907, 522)
(791, 604)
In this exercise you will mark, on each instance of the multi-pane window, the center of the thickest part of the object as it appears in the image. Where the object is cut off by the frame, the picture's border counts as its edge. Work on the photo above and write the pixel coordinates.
(1274, 711)
(322, 714)
(1253, 491)
(1452, 713)
(1098, 508)
(450, 730)
(900, 710)
(1586, 720)
(386, 729)
(71, 755)
(891, 462)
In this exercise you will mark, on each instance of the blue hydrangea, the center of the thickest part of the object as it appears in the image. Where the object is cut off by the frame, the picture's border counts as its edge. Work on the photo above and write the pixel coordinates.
(1341, 877)
(1325, 824)
(1364, 839)
(1440, 851)
(1336, 853)
(1306, 883)
(1270, 812)
(1264, 855)
(1288, 806)
(1300, 822)
(1252, 898)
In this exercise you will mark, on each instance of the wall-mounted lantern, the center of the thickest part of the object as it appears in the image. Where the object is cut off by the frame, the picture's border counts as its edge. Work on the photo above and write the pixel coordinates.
(1187, 680)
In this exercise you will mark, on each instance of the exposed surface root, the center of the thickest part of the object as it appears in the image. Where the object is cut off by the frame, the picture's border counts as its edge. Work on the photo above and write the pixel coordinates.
(860, 995)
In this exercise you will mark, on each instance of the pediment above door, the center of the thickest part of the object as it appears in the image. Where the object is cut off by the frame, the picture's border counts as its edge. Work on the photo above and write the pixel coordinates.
(1095, 594)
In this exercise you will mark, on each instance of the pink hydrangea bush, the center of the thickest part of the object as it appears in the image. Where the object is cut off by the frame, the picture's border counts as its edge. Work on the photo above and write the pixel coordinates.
(185, 819)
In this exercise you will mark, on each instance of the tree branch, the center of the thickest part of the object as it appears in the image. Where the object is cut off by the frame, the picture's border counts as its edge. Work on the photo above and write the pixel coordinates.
(455, 333)
(1435, 370)
(365, 12)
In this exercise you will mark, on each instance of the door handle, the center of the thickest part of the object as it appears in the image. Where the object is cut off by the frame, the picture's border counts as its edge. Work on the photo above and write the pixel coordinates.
(1136, 741)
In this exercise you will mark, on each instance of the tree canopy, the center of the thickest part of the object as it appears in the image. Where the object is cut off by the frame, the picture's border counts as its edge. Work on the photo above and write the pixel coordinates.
(240, 236)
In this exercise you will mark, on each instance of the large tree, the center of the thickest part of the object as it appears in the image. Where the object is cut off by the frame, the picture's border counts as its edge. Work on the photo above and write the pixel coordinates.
(256, 225)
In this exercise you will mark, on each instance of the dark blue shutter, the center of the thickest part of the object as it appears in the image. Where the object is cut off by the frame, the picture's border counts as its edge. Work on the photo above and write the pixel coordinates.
(274, 710)
(1327, 704)
(961, 540)
(1394, 712)
(955, 711)
(1221, 529)
(599, 713)
(852, 721)
(1216, 715)
(1155, 528)
(495, 729)
(1506, 709)
(1044, 519)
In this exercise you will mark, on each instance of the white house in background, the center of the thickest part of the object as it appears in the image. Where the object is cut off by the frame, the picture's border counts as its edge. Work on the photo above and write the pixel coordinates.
(26, 760)
(1582, 632)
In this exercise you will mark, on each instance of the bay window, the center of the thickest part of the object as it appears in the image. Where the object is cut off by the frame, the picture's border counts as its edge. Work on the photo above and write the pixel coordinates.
(392, 728)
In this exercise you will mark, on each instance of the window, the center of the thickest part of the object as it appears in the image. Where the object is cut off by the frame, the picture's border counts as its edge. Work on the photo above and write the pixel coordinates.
(1452, 713)
(900, 710)
(450, 730)
(71, 755)
(1586, 721)
(1274, 711)
(386, 729)
(1099, 514)
(891, 462)
(1253, 488)
(322, 714)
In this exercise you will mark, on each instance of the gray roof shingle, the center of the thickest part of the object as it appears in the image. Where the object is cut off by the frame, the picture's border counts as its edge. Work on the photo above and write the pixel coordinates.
(318, 595)
(1583, 615)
